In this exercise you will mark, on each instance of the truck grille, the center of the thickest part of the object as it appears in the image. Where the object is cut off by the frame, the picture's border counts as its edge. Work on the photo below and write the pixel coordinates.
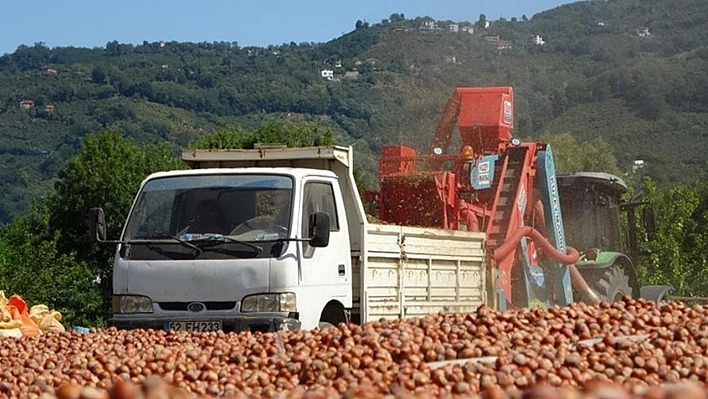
(182, 306)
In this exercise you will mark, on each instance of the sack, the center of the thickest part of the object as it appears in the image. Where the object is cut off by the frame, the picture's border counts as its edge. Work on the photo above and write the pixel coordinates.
(4, 311)
(11, 332)
(18, 311)
(19, 304)
(47, 320)
(37, 311)
(16, 318)
(9, 325)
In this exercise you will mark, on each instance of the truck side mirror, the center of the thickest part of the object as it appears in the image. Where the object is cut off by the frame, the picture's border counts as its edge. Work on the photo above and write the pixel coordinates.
(97, 224)
(319, 229)
(649, 221)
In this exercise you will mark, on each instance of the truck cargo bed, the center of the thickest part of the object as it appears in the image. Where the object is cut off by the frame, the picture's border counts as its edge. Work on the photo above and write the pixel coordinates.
(414, 271)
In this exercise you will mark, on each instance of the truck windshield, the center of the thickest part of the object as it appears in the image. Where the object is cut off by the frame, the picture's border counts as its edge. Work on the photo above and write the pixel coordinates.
(197, 208)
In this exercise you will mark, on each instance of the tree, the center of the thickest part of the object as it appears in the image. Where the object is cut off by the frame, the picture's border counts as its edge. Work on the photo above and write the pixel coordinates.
(559, 102)
(28, 58)
(396, 18)
(482, 22)
(98, 75)
(571, 156)
(290, 135)
(32, 266)
(677, 250)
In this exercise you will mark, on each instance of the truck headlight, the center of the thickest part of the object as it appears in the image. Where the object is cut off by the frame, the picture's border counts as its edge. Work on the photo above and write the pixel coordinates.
(283, 302)
(131, 304)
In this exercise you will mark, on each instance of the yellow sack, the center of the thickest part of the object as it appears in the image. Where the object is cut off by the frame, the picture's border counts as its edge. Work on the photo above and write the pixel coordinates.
(8, 325)
(11, 332)
(37, 312)
(4, 311)
(15, 320)
(51, 322)
(47, 320)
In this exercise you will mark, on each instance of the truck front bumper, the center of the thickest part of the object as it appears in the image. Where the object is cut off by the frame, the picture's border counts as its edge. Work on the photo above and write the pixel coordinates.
(262, 323)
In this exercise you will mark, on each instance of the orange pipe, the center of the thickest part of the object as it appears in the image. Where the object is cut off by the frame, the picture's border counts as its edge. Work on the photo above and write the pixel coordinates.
(468, 215)
(569, 258)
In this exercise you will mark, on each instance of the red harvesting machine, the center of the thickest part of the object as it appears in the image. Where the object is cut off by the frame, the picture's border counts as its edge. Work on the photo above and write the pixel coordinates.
(492, 183)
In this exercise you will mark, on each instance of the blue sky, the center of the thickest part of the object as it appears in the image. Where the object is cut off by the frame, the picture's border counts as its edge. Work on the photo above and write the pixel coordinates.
(93, 23)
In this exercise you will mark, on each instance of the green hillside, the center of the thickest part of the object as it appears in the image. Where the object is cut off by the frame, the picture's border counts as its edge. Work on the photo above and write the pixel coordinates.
(634, 73)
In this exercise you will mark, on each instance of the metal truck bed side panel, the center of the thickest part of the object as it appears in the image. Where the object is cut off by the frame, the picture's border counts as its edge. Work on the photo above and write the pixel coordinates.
(409, 272)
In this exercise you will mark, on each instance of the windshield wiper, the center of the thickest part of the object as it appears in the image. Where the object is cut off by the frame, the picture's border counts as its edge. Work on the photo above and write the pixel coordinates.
(151, 239)
(219, 238)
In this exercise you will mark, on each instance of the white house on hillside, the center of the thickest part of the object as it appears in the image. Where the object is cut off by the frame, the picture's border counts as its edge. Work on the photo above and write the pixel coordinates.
(535, 40)
(468, 29)
(327, 74)
(428, 25)
(642, 31)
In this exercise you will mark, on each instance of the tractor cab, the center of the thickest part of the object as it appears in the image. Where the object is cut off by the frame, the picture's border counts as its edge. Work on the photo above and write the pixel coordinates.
(591, 203)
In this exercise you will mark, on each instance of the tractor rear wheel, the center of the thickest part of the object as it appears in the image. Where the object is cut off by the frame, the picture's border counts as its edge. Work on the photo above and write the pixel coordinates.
(612, 285)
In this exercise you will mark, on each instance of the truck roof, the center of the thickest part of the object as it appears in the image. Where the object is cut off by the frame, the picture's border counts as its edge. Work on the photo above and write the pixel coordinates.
(268, 156)
(294, 172)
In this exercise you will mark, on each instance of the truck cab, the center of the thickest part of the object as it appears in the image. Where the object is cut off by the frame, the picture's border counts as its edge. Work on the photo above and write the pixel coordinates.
(231, 249)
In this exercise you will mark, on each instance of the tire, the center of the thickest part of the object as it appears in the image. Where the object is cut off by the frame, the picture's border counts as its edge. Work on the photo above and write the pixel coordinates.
(613, 284)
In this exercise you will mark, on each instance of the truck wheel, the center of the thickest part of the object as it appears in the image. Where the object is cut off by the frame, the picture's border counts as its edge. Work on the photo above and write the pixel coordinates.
(613, 284)
(323, 325)
(332, 315)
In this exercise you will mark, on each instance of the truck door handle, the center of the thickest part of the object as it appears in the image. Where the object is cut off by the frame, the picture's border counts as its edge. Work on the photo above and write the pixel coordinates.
(340, 270)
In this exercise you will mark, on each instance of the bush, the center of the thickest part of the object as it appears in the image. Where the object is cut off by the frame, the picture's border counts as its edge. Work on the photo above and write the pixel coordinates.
(32, 267)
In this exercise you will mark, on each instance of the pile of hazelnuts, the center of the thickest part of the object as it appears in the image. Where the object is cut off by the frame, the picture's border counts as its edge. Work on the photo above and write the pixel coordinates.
(622, 350)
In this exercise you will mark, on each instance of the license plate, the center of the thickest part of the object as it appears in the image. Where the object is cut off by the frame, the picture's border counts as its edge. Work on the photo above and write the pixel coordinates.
(193, 326)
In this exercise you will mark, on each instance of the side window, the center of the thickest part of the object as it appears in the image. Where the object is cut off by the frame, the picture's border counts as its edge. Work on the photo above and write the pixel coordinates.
(318, 197)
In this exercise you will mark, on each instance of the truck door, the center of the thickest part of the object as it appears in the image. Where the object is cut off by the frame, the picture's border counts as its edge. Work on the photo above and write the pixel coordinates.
(325, 271)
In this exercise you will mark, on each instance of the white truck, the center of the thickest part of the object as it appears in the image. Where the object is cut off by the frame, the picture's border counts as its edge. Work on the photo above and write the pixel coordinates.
(277, 238)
